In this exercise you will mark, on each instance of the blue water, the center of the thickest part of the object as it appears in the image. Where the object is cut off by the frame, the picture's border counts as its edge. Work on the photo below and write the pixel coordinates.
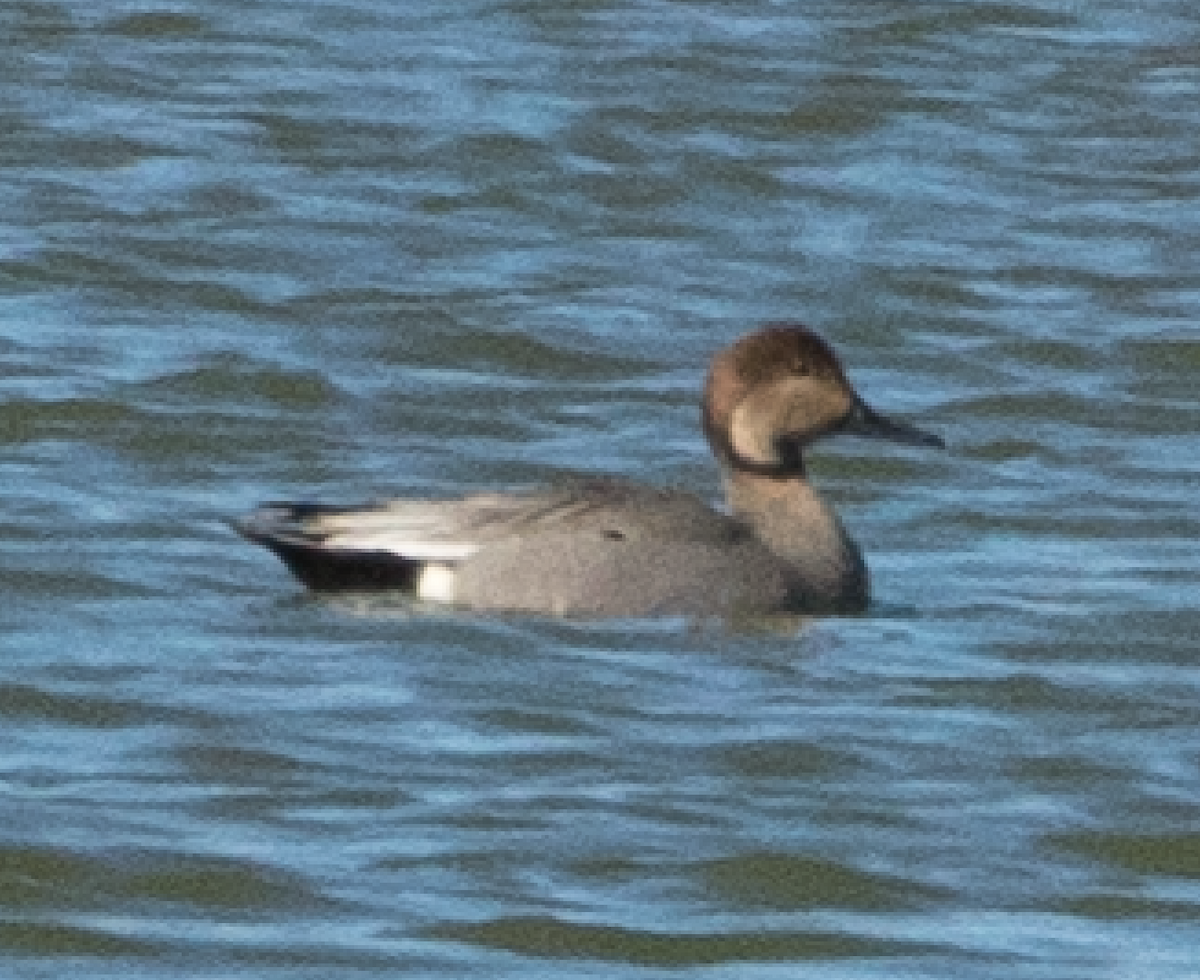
(340, 250)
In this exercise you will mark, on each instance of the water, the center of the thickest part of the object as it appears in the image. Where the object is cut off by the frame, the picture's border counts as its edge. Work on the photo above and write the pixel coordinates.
(335, 250)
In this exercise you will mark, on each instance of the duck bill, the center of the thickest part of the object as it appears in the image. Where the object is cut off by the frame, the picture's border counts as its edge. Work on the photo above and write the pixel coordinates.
(865, 421)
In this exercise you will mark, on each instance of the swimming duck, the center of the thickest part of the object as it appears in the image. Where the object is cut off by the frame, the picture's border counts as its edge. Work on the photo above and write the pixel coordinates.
(613, 547)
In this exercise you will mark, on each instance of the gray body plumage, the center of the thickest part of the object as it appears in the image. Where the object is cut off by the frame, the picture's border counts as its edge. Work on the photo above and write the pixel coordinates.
(612, 547)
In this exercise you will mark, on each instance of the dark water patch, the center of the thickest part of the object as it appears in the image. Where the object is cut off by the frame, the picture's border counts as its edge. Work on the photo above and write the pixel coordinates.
(30, 421)
(899, 24)
(35, 704)
(784, 759)
(1142, 636)
(255, 783)
(1171, 855)
(932, 289)
(40, 877)
(460, 859)
(1070, 769)
(126, 279)
(843, 104)
(19, 150)
(231, 766)
(232, 378)
(158, 255)
(1003, 449)
(44, 25)
(158, 434)
(520, 818)
(157, 25)
(379, 312)
(26, 583)
(776, 880)
(1035, 357)
(487, 353)
(227, 199)
(323, 145)
(1013, 693)
(1116, 908)
(872, 474)
(1168, 354)
(104, 151)
(549, 937)
(346, 805)
(1123, 519)
(1036, 411)
(52, 939)
(516, 720)
(48, 878)
(222, 885)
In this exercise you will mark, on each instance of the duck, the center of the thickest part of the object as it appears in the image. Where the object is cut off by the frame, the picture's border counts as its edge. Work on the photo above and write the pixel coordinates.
(611, 546)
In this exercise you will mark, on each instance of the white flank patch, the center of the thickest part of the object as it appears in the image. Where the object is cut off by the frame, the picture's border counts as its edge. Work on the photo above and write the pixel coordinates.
(436, 583)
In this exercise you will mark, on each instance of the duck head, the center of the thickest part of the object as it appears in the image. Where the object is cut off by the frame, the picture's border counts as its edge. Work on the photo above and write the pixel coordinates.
(779, 389)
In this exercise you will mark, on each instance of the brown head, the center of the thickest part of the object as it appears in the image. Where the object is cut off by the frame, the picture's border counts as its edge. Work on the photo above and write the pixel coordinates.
(779, 389)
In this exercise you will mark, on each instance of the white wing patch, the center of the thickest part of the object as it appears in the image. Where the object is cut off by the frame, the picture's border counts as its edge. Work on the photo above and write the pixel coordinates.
(405, 545)
(419, 530)
(445, 532)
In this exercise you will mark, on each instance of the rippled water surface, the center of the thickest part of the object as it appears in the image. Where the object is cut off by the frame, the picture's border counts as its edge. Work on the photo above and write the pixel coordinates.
(334, 250)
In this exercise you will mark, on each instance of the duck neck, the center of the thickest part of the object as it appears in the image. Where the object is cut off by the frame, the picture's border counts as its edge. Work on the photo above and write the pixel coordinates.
(788, 515)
